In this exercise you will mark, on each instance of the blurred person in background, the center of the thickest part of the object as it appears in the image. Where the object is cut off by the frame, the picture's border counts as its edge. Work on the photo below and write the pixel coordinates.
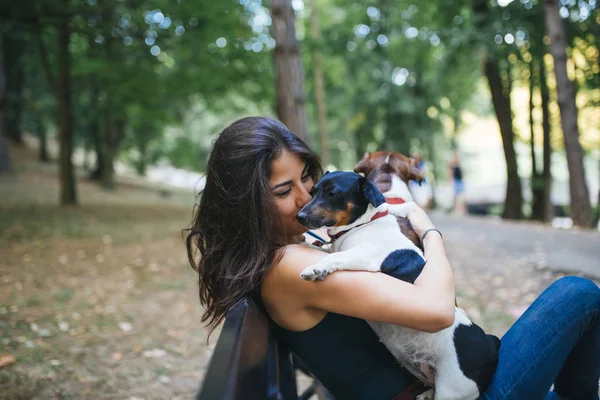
(459, 205)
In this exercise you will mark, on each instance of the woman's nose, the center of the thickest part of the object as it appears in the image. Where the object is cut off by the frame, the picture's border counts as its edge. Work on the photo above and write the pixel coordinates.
(304, 197)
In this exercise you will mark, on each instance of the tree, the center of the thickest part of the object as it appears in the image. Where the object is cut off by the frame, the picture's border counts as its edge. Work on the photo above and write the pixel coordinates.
(68, 190)
(533, 66)
(547, 207)
(536, 181)
(597, 218)
(581, 210)
(13, 48)
(5, 164)
(500, 90)
(40, 17)
(289, 74)
(315, 31)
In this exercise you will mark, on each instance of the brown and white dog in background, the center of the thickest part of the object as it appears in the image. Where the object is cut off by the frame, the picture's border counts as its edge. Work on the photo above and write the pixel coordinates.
(390, 171)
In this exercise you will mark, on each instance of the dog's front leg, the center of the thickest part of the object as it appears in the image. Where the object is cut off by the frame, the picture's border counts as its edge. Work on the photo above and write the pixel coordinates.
(401, 210)
(356, 258)
(428, 395)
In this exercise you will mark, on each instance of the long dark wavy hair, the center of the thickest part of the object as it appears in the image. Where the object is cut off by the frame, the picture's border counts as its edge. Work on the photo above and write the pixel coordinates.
(233, 237)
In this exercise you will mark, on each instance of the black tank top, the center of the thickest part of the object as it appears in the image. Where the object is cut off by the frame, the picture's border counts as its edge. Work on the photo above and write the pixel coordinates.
(457, 172)
(347, 357)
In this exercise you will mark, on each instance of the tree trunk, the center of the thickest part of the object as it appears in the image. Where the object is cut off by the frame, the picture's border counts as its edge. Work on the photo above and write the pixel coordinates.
(94, 133)
(581, 209)
(289, 74)
(319, 85)
(597, 219)
(5, 164)
(547, 207)
(96, 173)
(68, 192)
(42, 136)
(142, 164)
(534, 171)
(107, 171)
(114, 131)
(537, 184)
(514, 199)
(13, 97)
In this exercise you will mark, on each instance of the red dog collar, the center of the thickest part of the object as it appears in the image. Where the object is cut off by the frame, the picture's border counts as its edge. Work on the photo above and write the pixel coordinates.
(394, 200)
(380, 214)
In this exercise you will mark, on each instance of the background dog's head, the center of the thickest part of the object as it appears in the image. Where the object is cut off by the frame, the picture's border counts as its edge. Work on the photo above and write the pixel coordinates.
(339, 199)
(379, 167)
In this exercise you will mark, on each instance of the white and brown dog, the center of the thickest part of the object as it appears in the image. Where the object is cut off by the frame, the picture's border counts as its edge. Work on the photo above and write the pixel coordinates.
(460, 360)
(391, 172)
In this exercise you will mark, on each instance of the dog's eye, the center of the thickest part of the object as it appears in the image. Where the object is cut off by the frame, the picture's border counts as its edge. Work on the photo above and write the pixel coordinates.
(331, 192)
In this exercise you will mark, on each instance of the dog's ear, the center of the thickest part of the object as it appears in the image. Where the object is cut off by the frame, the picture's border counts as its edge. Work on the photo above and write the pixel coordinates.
(414, 173)
(371, 192)
(364, 165)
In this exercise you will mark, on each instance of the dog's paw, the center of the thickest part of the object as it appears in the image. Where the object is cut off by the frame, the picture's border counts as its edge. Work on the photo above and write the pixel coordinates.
(428, 395)
(315, 273)
(402, 210)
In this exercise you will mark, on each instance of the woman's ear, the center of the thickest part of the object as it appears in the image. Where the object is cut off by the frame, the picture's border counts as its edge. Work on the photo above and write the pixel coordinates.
(372, 194)
(364, 165)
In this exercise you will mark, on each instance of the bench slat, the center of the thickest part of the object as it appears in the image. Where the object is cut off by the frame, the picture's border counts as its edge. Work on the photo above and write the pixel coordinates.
(248, 363)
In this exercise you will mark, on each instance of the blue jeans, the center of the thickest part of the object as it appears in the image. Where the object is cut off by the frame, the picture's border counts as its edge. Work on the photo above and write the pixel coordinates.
(556, 341)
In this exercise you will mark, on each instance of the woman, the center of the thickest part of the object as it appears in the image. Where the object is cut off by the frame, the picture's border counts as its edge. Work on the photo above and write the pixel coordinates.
(456, 174)
(259, 176)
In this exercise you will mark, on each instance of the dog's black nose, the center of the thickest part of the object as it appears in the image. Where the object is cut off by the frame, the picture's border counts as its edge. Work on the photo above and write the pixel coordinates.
(302, 217)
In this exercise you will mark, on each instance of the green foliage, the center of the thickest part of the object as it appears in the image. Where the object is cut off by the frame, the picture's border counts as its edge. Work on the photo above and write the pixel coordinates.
(142, 62)
(398, 74)
(398, 70)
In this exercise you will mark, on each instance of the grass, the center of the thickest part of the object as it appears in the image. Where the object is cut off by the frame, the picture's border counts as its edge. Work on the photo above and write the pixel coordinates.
(121, 223)
(87, 291)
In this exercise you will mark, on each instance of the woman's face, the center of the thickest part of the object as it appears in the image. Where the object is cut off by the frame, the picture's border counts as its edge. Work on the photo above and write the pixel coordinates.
(290, 187)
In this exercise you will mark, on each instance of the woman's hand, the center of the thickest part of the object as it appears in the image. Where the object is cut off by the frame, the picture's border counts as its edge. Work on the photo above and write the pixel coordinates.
(419, 220)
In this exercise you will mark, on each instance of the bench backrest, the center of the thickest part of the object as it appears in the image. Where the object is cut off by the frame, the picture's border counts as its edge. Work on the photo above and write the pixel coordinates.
(248, 363)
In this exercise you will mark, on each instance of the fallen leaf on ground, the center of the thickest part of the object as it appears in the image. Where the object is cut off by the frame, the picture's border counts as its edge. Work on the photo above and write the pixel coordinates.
(125, 327)
(7, 359)
(155, 353)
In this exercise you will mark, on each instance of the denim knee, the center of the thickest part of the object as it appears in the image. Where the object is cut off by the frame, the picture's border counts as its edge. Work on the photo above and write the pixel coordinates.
(578, 289)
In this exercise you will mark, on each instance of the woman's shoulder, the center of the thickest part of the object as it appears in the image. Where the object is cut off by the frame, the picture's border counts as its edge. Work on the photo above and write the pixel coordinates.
(284, 292)
(293, 259)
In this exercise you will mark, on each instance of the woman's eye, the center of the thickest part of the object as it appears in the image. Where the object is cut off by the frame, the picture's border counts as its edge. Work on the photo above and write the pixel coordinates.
(305, 178)
(283, 194)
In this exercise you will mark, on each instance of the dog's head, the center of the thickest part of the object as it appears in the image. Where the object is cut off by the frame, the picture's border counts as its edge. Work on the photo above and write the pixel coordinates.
(381, 166)
(339, 199)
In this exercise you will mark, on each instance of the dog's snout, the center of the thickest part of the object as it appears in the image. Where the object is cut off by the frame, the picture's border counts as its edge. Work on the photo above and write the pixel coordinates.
(302, 217)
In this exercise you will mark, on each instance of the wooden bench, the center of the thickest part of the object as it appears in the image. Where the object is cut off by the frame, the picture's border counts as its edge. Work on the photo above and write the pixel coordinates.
(249, 363)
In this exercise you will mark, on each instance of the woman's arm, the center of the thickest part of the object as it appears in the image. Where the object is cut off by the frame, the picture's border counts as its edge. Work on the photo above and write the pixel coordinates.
(436, 276)
(428, 305)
